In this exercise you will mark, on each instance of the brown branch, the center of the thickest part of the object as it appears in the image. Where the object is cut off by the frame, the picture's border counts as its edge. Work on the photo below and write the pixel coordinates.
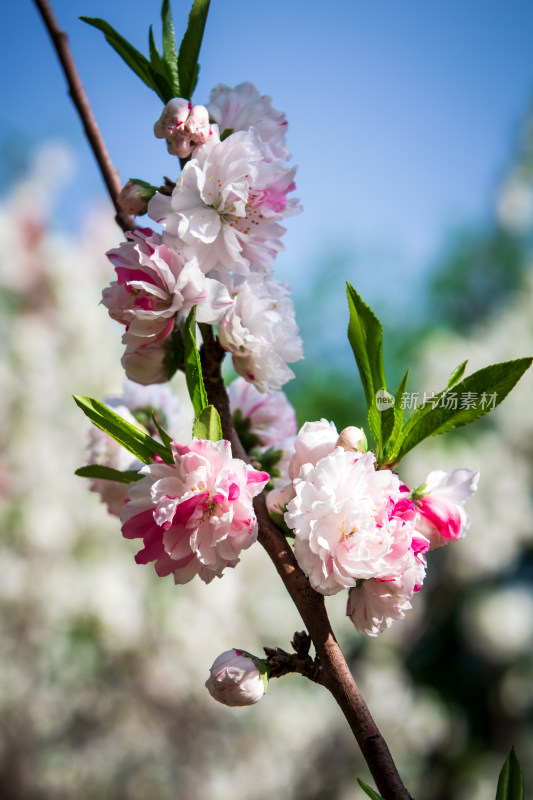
(60, 41)
(334, 672)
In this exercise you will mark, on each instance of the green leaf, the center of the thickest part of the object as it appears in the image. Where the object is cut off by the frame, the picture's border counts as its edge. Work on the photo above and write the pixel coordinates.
(207, 425)
(279, 519)
(470, 399)
(135, 60)
(160, 71)
(510, 782)
(387, 419)
(457, 374)
(108, 474)
(129, 436)
(370, 792)
(193, 367)
(190, 48)
(365, 334)
(398, 419)
(165, 438)
(169, 46)
(243, 427)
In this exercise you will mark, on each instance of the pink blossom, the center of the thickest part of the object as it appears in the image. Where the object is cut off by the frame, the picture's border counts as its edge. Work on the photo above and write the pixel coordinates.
(243, 107)
(260, 332)
(315, 440)
(154, 283)
(148, 363)
(183, 125)
(235, 680)
(374, 604)
(350, 521)
(441, 517)
(196, 515)
(226, 207)
(270, 415)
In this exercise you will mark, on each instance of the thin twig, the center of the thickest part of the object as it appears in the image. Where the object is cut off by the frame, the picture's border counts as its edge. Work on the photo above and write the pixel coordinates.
(335, 673)
(60, 41)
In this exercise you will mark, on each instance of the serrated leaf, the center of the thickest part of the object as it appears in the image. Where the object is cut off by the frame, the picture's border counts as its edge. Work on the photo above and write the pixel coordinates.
(368, 790)
(169, 46)
(485, 388)
(457, 374)
(129, 436)
(365, 334)
(398, 420)
(193, 366)
(190, 48)
(510, 782)
(133, 58)
(207, 425)
(108, 473)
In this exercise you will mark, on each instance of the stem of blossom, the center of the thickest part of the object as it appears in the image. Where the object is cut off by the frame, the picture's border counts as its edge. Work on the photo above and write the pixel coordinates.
(60, 41)
(335, 674)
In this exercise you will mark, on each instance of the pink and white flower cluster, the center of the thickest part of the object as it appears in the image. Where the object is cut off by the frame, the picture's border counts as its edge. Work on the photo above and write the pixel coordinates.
(154, 285)
(195, 515)
(221, 234)
(361, 529)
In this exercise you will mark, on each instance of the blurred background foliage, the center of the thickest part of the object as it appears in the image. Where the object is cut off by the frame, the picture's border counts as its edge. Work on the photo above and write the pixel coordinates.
(102, 664)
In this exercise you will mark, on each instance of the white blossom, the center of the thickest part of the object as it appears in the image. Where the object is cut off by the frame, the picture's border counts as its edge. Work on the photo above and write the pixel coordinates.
(226, 206)
(350, 521)
(261, 334)
(243, 107)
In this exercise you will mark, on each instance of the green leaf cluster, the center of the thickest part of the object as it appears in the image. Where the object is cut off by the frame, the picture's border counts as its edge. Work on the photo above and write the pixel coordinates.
(132, 438)
(170, 73)
(443, 412)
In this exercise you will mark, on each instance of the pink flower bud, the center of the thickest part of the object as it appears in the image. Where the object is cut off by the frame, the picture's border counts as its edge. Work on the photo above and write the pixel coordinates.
(441, 517)
(183, 126)
(235, 680)
(133, 198)
(352, 438)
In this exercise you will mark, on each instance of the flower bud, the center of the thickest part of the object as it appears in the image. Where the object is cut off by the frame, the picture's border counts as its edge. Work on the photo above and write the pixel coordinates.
(236, 679)
(134, 197)
(352, 438)
(439, 503)
(183, 126)
(278, 499)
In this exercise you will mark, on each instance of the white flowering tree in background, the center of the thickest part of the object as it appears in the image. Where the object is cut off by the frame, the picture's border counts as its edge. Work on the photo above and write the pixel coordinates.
(332, 513)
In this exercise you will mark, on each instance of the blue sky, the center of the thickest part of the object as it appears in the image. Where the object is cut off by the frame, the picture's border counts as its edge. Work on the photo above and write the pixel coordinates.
(402, 113)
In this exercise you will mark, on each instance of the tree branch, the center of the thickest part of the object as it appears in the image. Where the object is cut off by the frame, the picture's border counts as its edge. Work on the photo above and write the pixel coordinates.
(335, 674)
(79, 98)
